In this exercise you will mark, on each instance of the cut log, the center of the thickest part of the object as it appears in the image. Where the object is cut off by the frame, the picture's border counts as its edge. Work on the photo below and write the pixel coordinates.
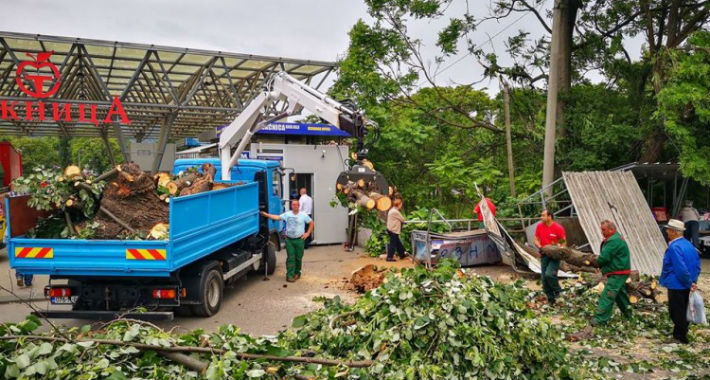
(162, 178)
(570, 255)
(108, 174)
(361, 183)
(383, 203)
(567, 267)
(72, 171)
(363, 200)
(349, 187)
(186, 180)
(634, 297)
(201, 185)
(220, 186)
(159, 231)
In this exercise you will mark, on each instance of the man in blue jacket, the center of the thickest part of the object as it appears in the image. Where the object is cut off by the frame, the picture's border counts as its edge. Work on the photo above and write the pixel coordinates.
(681, 268)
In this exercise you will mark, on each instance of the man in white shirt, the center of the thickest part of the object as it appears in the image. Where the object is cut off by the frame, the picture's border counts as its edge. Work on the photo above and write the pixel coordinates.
(306, 206)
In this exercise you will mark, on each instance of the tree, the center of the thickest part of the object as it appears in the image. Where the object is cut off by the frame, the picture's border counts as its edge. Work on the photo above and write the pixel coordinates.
(685, 108)
(36, 151)
(90, 153)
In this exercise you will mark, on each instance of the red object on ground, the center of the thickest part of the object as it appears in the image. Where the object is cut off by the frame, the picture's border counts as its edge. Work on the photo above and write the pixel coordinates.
(491, 207)
(11, 161)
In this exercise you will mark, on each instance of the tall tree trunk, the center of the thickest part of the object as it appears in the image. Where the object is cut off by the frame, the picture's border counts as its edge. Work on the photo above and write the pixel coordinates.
(563, 18)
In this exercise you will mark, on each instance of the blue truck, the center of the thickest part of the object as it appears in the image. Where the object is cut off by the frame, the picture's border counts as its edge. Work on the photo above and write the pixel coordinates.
(215, 237)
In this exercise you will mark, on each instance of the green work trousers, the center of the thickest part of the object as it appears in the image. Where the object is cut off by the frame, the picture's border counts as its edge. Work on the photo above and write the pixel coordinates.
(550, 282)
(614, 292)
(294, 256)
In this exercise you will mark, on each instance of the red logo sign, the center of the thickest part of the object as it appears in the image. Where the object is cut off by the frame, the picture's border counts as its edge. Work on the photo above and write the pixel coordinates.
(32, 78)
(36, 79)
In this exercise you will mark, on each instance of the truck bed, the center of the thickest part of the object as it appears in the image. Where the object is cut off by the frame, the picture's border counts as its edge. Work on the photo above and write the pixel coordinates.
(200, 224)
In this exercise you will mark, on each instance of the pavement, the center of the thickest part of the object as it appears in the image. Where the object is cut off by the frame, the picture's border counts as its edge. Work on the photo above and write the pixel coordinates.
(258, 307)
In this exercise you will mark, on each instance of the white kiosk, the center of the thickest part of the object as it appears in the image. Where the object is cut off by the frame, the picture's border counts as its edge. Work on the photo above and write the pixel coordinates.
(312, 156)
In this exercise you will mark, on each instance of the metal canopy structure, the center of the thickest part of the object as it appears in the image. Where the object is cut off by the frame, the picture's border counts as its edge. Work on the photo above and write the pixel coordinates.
(167, 92)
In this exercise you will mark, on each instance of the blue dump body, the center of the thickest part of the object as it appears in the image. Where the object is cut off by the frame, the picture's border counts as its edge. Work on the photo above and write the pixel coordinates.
(200, 224)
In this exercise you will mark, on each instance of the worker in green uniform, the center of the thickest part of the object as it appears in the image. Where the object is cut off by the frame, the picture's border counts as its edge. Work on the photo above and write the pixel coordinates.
(615, 263)
(296, 235)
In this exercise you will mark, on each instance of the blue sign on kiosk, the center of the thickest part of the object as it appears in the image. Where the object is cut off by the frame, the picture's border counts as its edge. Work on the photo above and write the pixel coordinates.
(301, 129)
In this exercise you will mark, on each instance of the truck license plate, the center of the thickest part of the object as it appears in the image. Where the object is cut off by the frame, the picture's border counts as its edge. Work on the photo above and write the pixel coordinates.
(63, 300)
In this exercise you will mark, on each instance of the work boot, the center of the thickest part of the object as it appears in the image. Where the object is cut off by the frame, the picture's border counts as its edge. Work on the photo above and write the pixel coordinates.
(20, 283)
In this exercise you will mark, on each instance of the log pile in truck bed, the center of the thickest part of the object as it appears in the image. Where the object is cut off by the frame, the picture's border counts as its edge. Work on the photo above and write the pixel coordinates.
(122, 203)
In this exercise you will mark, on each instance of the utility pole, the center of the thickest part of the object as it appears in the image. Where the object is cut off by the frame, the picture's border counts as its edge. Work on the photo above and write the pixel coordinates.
(553, 87)
(508, 139)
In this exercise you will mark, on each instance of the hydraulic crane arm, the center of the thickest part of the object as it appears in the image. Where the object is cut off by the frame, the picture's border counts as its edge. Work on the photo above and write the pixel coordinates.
(298, 95)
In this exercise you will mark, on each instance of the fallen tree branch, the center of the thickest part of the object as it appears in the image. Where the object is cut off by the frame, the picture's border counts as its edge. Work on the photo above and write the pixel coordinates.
(116, 219)
(188, 361)
(31, 306)
(192, 349)
(107, 174)
(70, 225)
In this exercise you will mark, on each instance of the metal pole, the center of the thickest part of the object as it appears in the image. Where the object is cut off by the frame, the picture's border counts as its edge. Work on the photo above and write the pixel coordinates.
(163, 140)
(508, 140)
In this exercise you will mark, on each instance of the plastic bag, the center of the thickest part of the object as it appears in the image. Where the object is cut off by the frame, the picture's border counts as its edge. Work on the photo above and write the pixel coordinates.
(696, 309)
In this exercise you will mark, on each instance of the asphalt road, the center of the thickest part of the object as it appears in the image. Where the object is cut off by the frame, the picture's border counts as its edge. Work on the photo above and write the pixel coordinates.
(256, 306)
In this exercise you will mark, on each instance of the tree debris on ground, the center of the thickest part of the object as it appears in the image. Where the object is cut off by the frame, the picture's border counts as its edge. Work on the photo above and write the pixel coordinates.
(419, 324)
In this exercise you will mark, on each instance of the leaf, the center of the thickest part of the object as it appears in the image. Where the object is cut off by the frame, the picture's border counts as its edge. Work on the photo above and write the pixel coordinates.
(22, 361)
(117, 375)
(299, 321)
(131, 333)
(12, 371)
(45, 348)
(256, 373)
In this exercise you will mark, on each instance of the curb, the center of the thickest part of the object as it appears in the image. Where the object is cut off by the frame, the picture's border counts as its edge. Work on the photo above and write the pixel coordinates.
(12, 299)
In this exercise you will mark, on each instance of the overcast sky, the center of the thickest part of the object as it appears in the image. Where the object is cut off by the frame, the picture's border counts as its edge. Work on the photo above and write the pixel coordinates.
(307, 29)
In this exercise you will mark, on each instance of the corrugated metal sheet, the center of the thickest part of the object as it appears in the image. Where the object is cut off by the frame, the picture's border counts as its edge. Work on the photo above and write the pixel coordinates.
(616, 196)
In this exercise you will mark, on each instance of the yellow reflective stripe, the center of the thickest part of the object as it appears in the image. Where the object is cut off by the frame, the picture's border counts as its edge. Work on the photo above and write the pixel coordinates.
(146, 254)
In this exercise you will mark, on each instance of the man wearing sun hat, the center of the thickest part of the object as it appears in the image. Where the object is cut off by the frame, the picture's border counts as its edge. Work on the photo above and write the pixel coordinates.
(681, 268)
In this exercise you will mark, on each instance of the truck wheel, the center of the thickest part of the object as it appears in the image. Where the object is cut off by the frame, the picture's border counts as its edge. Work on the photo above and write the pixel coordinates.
(269, 258)
(210, 293)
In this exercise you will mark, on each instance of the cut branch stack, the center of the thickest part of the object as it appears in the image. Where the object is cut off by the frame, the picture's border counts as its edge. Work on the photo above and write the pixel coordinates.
(129, 203)
(637, 287)
(124, 202)
(365, 195)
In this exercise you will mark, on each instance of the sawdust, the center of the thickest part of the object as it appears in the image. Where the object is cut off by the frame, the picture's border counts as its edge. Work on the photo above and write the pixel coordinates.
(367, 278)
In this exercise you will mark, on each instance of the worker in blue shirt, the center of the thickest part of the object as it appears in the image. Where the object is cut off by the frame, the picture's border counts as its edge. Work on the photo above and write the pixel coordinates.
(681, 268)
